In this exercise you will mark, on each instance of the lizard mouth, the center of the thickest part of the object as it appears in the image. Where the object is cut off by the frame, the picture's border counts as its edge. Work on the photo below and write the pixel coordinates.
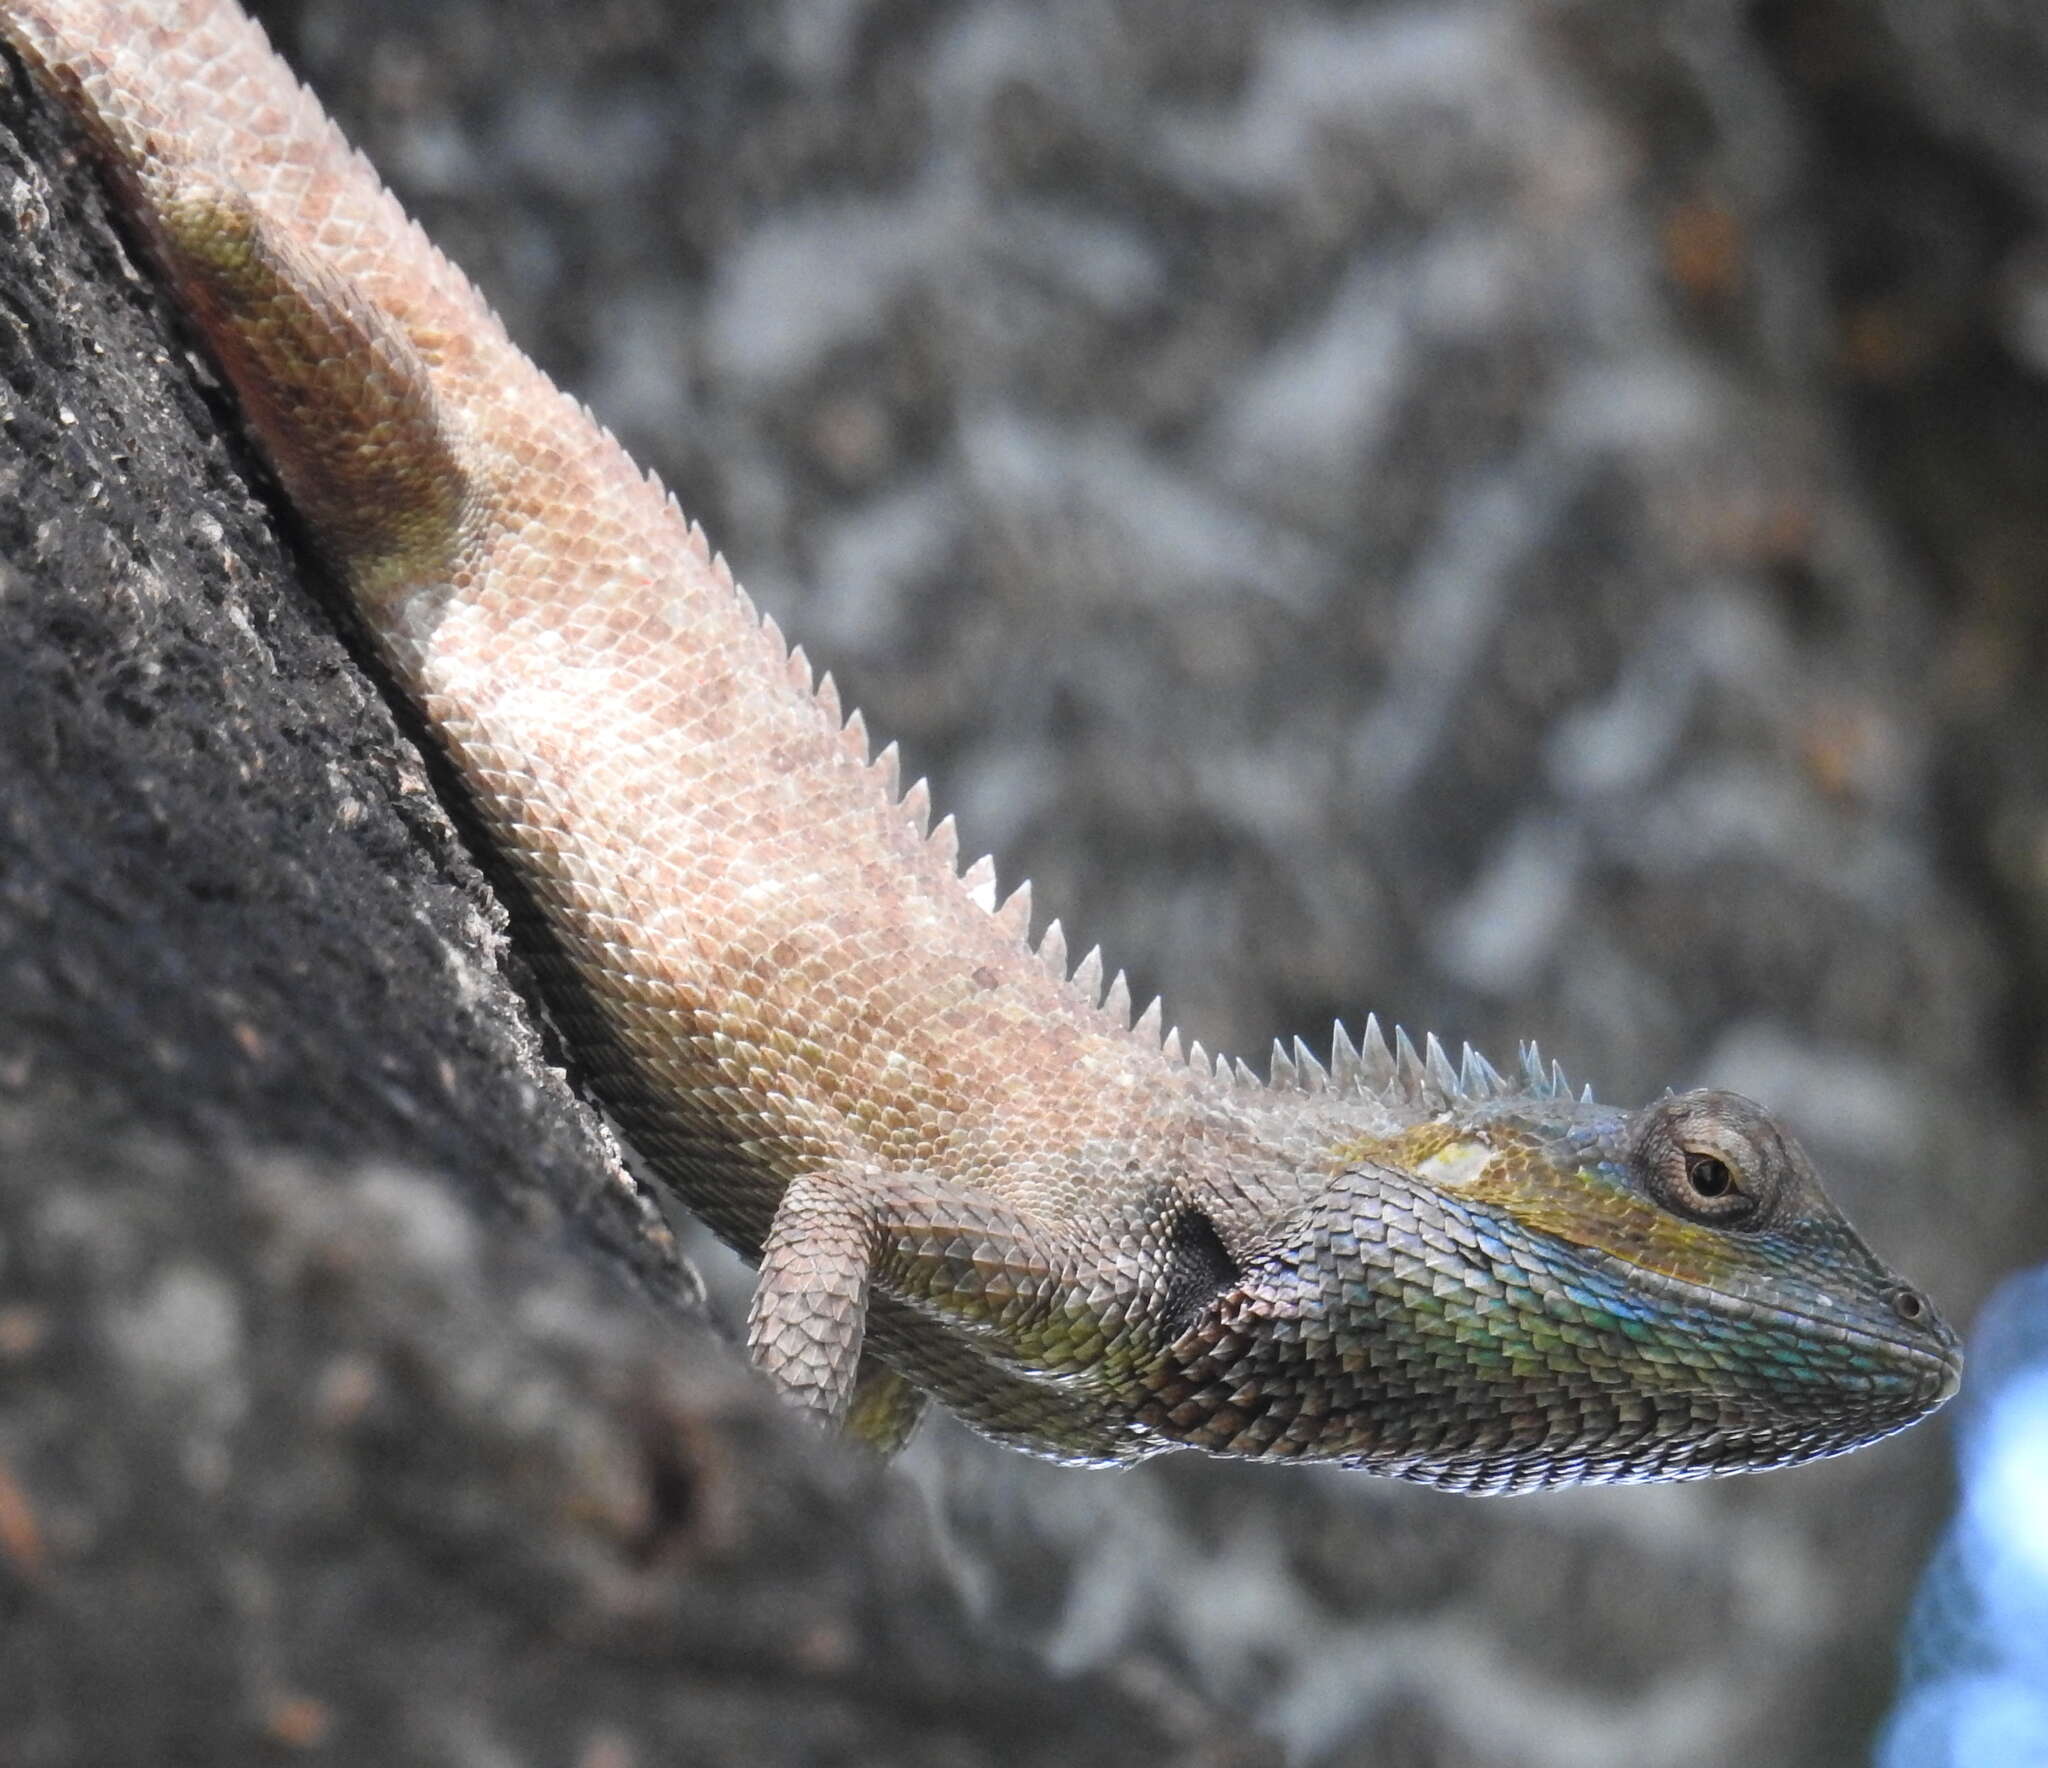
(1910, 1355)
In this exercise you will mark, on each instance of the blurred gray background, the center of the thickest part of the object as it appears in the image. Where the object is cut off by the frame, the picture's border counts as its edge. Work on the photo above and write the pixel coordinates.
(1528, 519)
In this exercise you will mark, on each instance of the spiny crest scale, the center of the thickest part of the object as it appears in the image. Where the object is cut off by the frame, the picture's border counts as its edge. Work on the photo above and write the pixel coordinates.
(1014, 912)
(1374, 1067)
(979, 881)
(1087, 975)
(1441, 1077)
(1540, 1083)
(1052, 948)
(917, 806)
(887, 768)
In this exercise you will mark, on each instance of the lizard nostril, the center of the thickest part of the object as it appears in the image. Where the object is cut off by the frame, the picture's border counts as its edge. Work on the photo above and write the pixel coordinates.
(1910, 1305)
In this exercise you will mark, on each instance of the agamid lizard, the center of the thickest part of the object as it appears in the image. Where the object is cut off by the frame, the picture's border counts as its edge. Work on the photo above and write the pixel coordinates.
(965, 1172)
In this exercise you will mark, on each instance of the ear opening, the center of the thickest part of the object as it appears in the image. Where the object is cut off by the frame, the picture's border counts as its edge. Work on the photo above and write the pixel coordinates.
(1198, 1269)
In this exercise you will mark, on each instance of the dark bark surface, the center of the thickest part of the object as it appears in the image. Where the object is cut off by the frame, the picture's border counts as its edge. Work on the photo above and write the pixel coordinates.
(1524, 519)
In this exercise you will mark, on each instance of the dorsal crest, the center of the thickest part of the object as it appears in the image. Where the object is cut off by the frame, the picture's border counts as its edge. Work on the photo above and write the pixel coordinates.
(1395, 1071)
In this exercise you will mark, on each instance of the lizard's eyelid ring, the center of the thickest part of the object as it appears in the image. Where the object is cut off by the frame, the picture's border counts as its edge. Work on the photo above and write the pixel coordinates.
(1703, 1186)
(1733, 1205)
(1708, 1158)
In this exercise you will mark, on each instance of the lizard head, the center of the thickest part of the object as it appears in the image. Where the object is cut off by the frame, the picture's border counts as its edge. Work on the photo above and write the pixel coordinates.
(1521, 1288)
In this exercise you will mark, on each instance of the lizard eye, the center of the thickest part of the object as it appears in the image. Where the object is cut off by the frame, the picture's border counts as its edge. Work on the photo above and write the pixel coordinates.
(1705, 1157)
(1716, 1188)
(1708, 1175)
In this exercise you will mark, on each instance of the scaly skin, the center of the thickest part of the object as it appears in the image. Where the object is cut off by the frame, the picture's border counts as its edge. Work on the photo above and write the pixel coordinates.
(843, 1055)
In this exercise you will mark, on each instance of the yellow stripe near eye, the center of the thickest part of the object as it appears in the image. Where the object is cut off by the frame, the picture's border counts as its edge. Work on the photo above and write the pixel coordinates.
(1455, 1165)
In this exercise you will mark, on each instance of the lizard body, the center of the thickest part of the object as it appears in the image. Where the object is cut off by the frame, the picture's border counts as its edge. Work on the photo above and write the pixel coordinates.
(965, 1172)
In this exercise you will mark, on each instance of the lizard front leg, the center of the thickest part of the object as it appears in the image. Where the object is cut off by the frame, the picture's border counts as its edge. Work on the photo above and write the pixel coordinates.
(1004, 1278)
(810, 1307)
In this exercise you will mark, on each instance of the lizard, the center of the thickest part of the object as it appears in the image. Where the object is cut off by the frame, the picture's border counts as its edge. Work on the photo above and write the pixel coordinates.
(966, 1172)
